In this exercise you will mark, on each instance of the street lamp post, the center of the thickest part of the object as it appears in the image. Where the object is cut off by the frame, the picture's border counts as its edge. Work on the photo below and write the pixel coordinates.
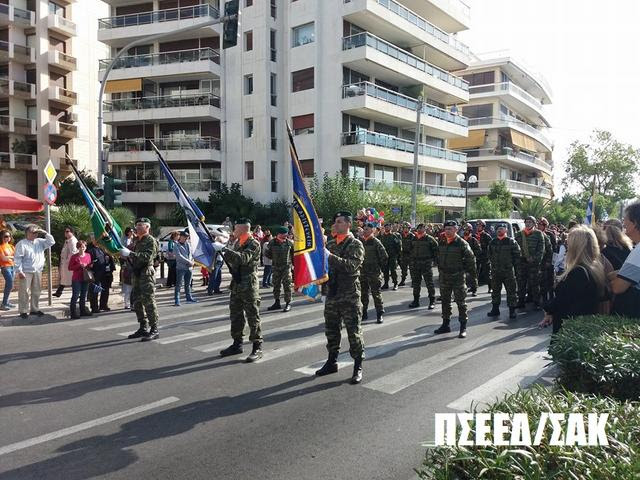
(416, 149)
(463, 179)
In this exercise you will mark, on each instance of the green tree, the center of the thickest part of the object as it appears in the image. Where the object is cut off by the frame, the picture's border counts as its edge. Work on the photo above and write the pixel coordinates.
(561, 212)
(68, 191)
(536, 207)
(384, 197)
(611, 164)
(501, 195)
(332, 194)
(228, 202)
(484, 207)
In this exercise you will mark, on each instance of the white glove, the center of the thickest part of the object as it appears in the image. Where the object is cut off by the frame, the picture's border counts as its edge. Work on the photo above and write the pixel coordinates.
(218, 246)
(125, 252)
(326, 252)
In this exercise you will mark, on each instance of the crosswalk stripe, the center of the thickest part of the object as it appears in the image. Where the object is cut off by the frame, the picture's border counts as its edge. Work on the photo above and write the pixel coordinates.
(522, 374)
(419, 371)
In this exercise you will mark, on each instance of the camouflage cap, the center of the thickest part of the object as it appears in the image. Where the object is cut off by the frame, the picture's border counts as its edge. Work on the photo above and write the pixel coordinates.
(481, 222)
(468, 226)
(420, 225)
(531, 218)
(344, 214)
(450, 223)
(143, 220)
(502, 225)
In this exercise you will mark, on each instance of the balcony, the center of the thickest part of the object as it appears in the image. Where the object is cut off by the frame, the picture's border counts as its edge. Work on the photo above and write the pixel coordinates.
(62, 129)
(10, 15)
(401, 26)
(193, 106)
(518, 189)
(450, 15)
(158, 191)
(505, 121)
(371, 55)
(120, 30)
(61, 25)
(376, 147)
(514, 96)
(438, 195)
(174, 149)
(387, 106)
(62, 97)
(18, 161)
(509, 156)
(9, 51)
(21, 90)
(182, 62)
(22, 126)
(62, 62)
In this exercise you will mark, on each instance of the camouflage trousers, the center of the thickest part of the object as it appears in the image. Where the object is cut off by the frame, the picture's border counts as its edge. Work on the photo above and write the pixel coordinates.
(528, 281)
(418, 272)
(282, 279)
(547, 279)
(472, 282)
(349, 312)
(370, 281)
(143, 300)
(453, 283)
(404, 266)
(391, 270)
(508, 279)
(484, 270)
(244, 307)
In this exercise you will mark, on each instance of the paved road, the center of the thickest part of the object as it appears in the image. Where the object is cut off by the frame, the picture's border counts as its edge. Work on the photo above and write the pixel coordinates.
(79, 400)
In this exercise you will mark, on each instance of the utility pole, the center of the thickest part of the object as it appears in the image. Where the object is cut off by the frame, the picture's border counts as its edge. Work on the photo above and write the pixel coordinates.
(416, 150)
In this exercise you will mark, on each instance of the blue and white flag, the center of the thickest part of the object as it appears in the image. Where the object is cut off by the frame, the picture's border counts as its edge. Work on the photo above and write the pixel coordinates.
(199, 238)
(590, 217)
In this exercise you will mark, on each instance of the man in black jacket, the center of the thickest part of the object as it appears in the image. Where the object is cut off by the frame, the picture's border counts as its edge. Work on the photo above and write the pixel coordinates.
(103, 266)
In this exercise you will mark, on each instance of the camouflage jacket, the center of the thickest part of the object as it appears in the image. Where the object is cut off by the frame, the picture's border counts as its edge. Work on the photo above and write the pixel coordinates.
(345, 261)
(375, 256)
(485, 240)
(504, 254)
(531, 246)
(243, 261)
(280, 252)
(143, 256)
(474, 244)
(456, 258)
(424, 250)
(548, 248)
(406, 244)
(392, 243)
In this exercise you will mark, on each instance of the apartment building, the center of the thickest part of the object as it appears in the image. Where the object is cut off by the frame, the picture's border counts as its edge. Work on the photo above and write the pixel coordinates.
(48, 55)
(509, 130)
(345, 74)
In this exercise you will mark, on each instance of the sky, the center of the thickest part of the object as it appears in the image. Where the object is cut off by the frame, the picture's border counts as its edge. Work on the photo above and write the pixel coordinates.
(587, 50)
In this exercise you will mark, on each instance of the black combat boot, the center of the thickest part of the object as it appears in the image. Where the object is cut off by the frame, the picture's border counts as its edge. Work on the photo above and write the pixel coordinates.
(84, 311)
(495, 311)
(356, 378)
(73, 312)
(287, 307)
(256, 353)
(416, 302)
(474, 293)
(365, 314)
(521, 305)
(234, 349)
(141, 332)
(512, 312)
(401, 284)
(395, 287)
(385, 286)
(444, 328)
(330, 366)
(379, 316)
(58, 292)
(276, 306)
(463, 329)
(432, 303)
(150, 335)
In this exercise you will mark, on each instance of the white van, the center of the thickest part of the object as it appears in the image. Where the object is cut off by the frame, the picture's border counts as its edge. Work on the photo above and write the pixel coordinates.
(514, 225)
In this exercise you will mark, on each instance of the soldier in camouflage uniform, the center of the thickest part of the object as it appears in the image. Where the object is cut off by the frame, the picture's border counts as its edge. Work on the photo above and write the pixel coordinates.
(454, 259)
(504, 255)
(482, 261)
(280, 251)
(424, 252)
(405, 258)
(375, 259)
(477, 251)
(242, 255)
(143, 294)
(547, 275)
(392, 243)
(531, 242)
(345, 255)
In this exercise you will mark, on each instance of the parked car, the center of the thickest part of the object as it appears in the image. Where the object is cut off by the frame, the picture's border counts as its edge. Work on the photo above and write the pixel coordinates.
(514, 225)
(216, 230)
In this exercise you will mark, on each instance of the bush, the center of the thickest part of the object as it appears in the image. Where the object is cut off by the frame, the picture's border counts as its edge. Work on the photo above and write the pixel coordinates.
(599, 354)
(620, 460)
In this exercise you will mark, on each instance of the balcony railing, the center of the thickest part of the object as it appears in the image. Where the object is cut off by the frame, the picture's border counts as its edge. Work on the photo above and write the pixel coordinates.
(163, 186)
(369, 40)
(511, 122)
(506, 87)
(23, 161)
(62, 128)
(5, 158)
(366, 137)
(164, 58)
(62, 59)
(167, 101)
(20, 16)
(167, 143)
(515, 185)
(369, 184)
(395, 98)
(13, 87)
(526, 157)
(158, 16)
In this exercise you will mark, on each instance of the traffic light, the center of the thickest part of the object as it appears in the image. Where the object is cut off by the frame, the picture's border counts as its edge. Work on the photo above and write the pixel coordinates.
(111, 192)
(230, 25)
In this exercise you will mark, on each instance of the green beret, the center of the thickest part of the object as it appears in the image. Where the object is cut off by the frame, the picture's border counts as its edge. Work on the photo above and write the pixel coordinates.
(143, 220)
(502, 225)
(345, 214)
(281, 229)
(243, 221)
(450, 223)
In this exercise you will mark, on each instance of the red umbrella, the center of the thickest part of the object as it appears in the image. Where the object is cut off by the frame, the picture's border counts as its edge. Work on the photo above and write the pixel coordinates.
(12, 202)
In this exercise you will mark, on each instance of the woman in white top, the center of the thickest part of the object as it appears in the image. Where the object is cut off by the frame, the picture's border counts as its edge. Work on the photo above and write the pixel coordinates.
(68, 250)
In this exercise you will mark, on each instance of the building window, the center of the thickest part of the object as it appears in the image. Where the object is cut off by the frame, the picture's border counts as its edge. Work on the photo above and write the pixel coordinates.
(273, 90)
(302, 80)
(273, 9)
(248, 170)
(56, 9)
(478, 111)
(384, 174)
(248, 41)
(302, 35)
(272, 44)
(248, 84)
(248, 127)
(248, 3)
(274, 177)
(483, 78)
(274, 133)
(302, 124)
(306, 166)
